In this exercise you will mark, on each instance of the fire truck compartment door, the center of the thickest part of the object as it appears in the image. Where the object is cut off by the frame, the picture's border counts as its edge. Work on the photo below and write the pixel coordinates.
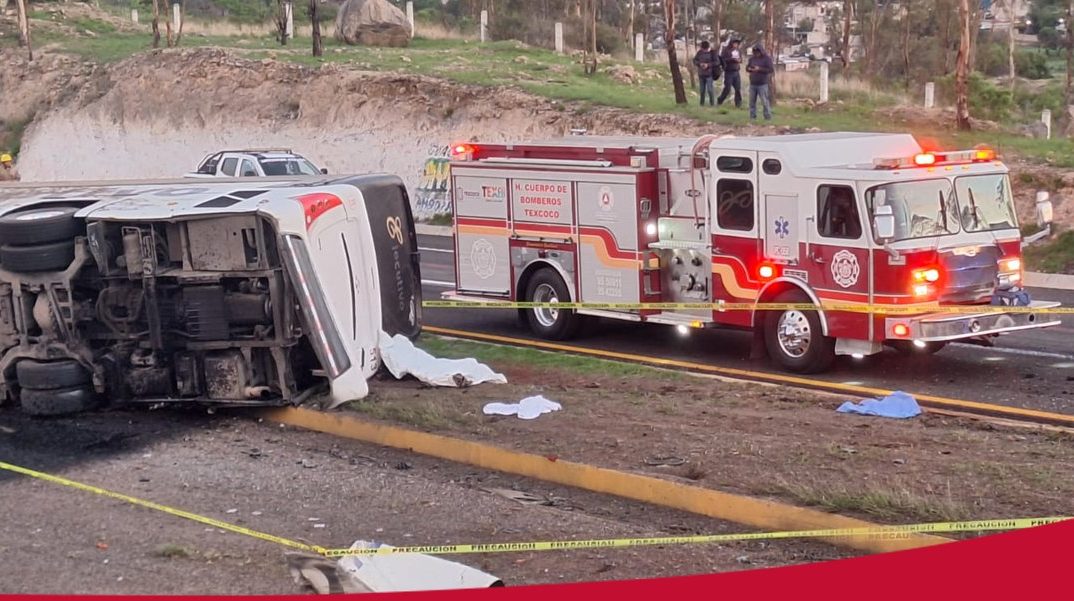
(483, 254)
(608, 232)
(782, 230)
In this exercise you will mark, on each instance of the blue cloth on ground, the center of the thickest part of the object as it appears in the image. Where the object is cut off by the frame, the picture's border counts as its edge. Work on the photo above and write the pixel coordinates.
(898, 405)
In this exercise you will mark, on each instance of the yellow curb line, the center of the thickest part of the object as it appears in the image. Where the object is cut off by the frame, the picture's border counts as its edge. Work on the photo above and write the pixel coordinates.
(749, 511)
(926, 400)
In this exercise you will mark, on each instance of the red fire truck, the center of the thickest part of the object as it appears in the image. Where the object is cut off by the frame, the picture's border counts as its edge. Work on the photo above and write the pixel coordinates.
(832, 218)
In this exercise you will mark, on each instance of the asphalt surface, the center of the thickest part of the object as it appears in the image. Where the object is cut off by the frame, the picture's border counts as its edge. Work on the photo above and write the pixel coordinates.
(1028, 369)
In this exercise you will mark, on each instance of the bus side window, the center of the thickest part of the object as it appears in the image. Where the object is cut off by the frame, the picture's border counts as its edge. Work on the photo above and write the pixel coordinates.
(734, 204)
(837, 213)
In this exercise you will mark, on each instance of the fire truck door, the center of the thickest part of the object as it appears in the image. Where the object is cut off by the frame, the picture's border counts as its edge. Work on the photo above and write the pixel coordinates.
(782, 230)
(482, 253)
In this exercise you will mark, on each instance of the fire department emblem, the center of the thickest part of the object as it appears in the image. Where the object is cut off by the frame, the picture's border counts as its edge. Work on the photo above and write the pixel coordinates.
(845, 268)
(607, 201)
(483, 259)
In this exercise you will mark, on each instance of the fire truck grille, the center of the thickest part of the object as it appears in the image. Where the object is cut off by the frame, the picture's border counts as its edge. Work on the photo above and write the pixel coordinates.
(970, 278)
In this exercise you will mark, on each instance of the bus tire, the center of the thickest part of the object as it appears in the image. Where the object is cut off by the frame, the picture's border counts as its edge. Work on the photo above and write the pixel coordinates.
(40, 225)
(63, 401)
(794, 338)
(552, 324)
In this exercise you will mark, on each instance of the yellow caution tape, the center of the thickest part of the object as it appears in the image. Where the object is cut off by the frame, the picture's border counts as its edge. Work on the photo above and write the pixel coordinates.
(874, 532)
(851, 307)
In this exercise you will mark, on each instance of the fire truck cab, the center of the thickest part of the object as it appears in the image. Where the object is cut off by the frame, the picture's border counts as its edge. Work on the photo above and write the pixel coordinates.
(856, 219)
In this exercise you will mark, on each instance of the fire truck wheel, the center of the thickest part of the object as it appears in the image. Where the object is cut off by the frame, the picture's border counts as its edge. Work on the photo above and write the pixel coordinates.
(794, 338)
(907, 347)
(553, 324)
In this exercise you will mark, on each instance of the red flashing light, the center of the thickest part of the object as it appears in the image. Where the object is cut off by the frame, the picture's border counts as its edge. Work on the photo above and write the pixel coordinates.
(924, 159)
(766, 271)
(900, 330)
(462, 151)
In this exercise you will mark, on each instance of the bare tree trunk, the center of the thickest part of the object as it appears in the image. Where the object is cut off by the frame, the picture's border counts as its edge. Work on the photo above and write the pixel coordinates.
(717, 23)
(1010, 44)
(281, 22)
(315, 20)
(24, 28)
(962, 67)
(848, 18)
(630, 24)
(182, 20)
(1070, 54)
(156, 23)
(770, 43)
(168, 23)
(590, 28)
(673, 61)
(907, 17)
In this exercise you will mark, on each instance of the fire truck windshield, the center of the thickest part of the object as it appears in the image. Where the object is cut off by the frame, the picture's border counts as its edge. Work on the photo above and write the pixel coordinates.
(985, 203)
(922, 208)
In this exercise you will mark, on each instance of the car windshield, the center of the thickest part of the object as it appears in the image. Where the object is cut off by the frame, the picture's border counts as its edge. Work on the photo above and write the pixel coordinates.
(288, 167)
(984, 203)
(921, 209)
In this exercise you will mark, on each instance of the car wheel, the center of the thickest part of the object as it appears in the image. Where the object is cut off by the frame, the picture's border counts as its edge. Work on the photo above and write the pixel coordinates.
(795, 339)
(38, 225)
(553, 324)
(55, 256)
(907, 347)
(57, 402)
(51, 375)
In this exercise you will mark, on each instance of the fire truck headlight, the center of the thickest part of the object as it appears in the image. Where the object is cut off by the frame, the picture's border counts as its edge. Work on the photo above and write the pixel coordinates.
(920, 343)
(650, 229)
(1012, 264)
(682, 330)
(922, 290)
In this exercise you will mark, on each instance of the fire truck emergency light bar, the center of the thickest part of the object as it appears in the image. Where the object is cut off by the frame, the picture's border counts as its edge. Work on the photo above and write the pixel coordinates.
(931, 159)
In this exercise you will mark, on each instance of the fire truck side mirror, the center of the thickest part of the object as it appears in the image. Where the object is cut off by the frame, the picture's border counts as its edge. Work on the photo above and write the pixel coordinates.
(1044, 209)
(884, 222)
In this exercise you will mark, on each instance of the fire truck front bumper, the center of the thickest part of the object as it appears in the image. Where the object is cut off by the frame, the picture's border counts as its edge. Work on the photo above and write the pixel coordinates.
(945, 326)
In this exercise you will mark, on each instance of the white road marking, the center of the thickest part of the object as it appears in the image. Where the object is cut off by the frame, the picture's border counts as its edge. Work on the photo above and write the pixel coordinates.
(1019, 351)
(438, 283)
(437, 250)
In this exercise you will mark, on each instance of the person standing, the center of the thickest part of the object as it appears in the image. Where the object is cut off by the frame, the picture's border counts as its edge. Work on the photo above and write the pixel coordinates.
(7, 168)
(731, 57)
(760, 68)
(707, 62)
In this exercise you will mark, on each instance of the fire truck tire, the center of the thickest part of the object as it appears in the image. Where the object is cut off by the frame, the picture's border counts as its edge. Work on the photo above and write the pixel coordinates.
(907, 347)
(57, 402)
(552, 324)
(42, 224)
(794, 338)
(54, 256)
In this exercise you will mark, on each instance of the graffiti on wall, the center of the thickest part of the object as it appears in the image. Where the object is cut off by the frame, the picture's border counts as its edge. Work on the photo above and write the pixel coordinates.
(432, 196)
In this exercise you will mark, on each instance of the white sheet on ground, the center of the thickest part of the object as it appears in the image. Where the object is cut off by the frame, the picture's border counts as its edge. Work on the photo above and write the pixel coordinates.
(401, 358)
(410, 572)
(528, 408)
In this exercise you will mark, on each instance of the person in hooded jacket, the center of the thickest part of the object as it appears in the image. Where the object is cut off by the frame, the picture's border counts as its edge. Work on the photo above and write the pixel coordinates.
(731, 60)
(707, 62)
(760, 68)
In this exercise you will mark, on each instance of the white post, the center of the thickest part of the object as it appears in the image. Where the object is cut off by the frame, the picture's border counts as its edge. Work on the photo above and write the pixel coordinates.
(289, 14)
(484, 24)
(134, 15)
(559, 38)
(410, 17)
(930, 95)
(639, 47)
(176, 17)
(823, 82)
(1046, 119)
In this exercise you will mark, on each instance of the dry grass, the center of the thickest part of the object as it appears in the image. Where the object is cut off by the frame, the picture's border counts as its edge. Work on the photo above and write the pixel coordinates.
(887, 503)
(806, 84)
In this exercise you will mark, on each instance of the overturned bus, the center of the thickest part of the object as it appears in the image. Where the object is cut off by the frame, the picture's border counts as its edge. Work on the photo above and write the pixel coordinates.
(229, 293)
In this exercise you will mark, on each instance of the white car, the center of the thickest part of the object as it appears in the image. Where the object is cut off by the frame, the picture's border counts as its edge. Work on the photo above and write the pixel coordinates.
(227, 293)
(255, 163)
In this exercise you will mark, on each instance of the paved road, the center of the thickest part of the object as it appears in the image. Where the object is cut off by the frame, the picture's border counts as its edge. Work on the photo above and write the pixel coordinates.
(1034, 370)
(305, 486)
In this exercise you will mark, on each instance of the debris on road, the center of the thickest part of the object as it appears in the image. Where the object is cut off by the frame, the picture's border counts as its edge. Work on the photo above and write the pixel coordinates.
(528, 408)
(402, 358)
(898, 405)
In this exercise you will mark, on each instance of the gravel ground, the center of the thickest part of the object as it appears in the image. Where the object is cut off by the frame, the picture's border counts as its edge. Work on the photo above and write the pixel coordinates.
(305, 486)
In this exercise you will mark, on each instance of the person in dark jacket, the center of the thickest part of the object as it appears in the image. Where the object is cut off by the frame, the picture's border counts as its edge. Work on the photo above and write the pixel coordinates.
(707, 62)
(760, 68)
(731, 58)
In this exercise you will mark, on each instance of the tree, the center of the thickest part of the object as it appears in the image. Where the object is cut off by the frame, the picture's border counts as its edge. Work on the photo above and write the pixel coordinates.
(283, 7)
(848, 18)
(673, 60)
(24, 28)
(156, 23)
(315, 20)
(962, 66)
(717, 21)
(1069, 38)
